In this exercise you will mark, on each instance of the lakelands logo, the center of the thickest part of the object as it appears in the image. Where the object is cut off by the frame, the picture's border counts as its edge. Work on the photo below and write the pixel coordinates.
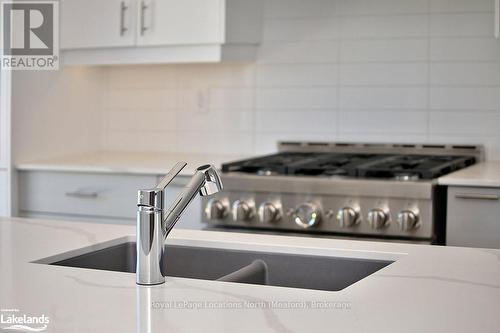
(14, 320)
(30, 35)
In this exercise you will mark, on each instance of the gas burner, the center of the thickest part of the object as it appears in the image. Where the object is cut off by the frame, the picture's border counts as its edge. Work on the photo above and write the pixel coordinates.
(276, 164)
(405, 177)
(266, 172)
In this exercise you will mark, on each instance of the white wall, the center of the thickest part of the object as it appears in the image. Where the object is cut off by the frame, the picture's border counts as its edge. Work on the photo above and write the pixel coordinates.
(57, 113)
(333, 70)
(344, 70)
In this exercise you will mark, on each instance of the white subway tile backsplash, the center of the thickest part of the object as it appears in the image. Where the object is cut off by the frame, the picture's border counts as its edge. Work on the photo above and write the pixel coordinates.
(462, 25)
(296, 98)
(123, 120)
(453, 6)
(345, 70)
(386, 121)
(465, 73)
(300, 8)
(225, 142)
(383, 74)
(384, 50)
(215, 120)
(221, 75)
(464, 49)
(304, 29)
(384, 26)
(142, 141)
(204, 99)
(371, 97)
(382, 7)
(296, 121)
(231, 99)
(142, 99)
(465, 122)
(305, 52)
(465, 98)
(297, 75)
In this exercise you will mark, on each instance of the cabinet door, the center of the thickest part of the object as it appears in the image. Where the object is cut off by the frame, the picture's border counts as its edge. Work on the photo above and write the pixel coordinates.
(186, 22)
(473, 217)
(97, 23)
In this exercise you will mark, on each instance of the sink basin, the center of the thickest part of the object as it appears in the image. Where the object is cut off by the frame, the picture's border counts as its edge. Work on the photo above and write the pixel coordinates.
(274, 269)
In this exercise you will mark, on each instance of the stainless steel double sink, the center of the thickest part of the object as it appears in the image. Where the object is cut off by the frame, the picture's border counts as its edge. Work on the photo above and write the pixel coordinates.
(239, 266)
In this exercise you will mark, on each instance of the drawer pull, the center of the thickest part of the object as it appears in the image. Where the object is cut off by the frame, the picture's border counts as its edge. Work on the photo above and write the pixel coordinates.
(477, 196)
(82, 194)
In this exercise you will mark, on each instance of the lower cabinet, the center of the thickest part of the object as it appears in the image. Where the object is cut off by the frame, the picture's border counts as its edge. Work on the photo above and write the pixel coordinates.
(473, 217)
(93, 197)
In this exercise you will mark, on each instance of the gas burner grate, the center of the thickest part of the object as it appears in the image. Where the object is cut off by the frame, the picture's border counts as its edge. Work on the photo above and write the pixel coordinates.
(276, 164)
(413, 167)
(333, 165)
(398, 167)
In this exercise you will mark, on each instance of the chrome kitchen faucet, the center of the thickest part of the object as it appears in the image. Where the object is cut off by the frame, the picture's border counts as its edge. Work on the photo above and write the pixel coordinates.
(154, 223)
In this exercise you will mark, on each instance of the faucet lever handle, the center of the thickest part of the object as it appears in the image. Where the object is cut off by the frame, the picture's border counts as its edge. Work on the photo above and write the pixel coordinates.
(167, 179)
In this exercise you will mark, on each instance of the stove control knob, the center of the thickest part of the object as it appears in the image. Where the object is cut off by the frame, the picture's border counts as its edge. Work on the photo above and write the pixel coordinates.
(216, 210)
(378, 218)
(347, 217)
(408, 220)
(269, 213)
(243, 210)
(307, 215)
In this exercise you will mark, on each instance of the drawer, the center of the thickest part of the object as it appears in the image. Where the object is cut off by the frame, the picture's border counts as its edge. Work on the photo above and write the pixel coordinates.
(89, 194)
(473, 217)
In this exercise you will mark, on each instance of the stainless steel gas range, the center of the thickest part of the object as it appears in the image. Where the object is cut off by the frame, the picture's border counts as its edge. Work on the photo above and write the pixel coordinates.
(378, 191)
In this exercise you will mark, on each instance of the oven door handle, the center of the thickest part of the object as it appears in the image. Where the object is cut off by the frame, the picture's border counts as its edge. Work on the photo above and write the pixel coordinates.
(477, 196)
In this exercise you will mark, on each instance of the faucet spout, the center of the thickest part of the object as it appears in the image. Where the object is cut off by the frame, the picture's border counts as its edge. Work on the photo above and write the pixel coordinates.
(154, 223)
(206, 181)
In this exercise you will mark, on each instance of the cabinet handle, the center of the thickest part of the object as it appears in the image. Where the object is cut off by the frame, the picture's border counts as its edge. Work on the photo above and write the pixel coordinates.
(82, 194)
(497, 18)
(477, 196)
(144, 6)
(123, 9)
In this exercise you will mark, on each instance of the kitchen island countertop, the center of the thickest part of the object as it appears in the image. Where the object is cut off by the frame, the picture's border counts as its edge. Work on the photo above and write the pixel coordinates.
(426, 289)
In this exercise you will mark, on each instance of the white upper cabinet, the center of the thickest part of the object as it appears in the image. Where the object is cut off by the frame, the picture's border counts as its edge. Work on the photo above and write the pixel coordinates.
(174, 22)
(106, 32)
(97, 23)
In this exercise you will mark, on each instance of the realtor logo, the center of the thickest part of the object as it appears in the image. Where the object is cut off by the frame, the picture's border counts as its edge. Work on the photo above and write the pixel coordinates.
(30, 35)
(13, 320)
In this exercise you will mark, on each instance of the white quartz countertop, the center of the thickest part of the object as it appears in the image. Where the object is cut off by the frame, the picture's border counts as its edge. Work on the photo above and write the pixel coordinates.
(122, 162)
(426, 289)
(485, 174)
